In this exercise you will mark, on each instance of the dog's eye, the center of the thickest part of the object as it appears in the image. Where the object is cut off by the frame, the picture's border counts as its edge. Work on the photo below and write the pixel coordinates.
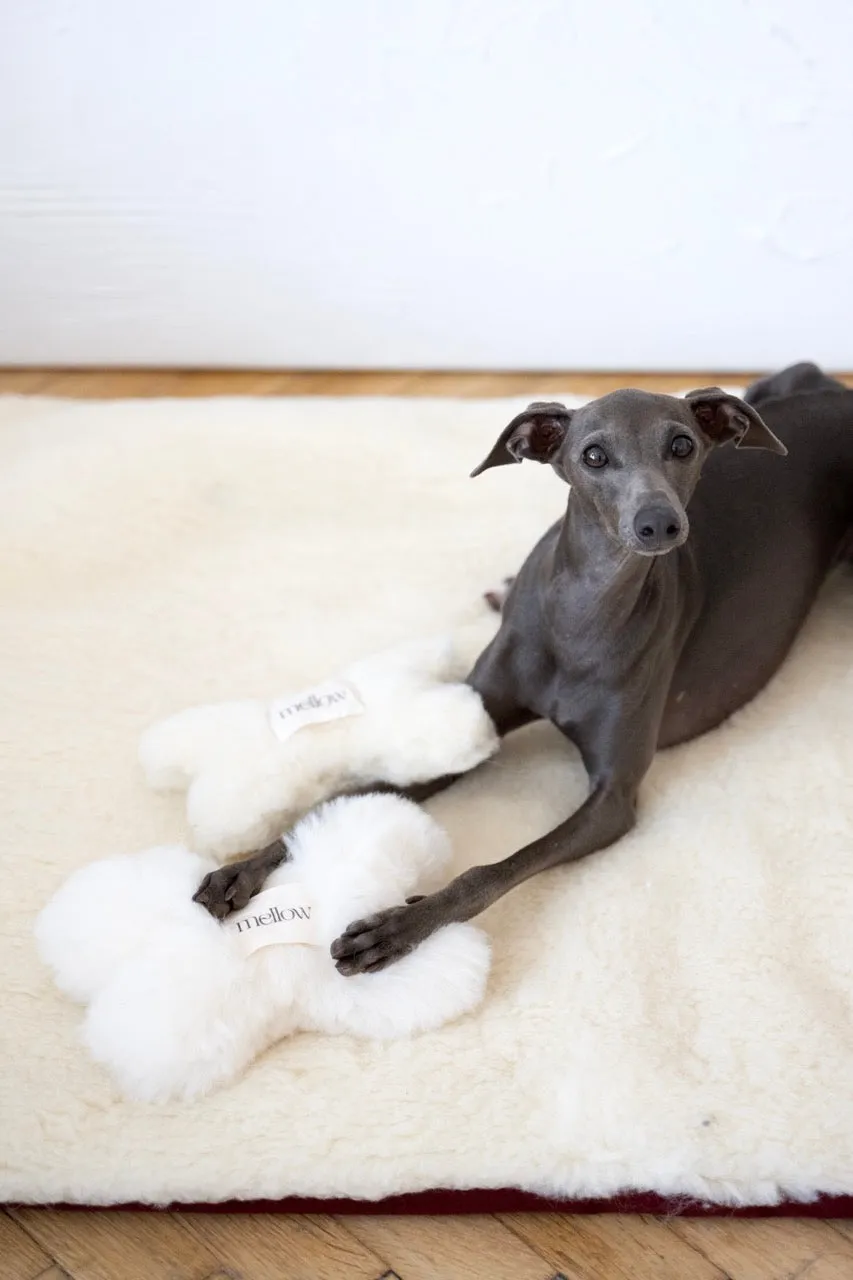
(681, 447)
(594, 456)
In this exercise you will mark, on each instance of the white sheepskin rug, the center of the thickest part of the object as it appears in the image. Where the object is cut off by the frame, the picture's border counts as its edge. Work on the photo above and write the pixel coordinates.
(675, 1014)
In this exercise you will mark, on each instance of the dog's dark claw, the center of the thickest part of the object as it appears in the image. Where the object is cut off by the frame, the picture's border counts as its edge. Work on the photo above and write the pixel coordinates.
(228, 889)
(232, 887)
(368, 945)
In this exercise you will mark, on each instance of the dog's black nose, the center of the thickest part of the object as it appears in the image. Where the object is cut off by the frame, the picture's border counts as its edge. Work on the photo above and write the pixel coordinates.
(657, 527)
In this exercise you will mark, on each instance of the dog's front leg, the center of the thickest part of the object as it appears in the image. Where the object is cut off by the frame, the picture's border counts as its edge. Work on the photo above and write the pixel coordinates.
(370, 944)
(617, 751)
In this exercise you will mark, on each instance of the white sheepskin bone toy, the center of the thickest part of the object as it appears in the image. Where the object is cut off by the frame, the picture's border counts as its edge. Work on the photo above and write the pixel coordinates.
(251, 768)
(177, 1008)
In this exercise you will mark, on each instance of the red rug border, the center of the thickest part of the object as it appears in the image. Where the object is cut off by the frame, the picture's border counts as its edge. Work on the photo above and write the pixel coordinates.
(504, 1200)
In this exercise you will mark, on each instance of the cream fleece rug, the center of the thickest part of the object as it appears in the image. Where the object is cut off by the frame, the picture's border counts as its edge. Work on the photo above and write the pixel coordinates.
(673, 1015)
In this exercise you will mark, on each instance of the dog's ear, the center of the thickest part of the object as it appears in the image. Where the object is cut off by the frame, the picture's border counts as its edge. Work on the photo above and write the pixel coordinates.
(537, 433)
(721, 417)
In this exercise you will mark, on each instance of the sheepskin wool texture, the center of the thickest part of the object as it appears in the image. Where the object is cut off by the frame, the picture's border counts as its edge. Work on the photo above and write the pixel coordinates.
(175, 1006)
(673, 1014)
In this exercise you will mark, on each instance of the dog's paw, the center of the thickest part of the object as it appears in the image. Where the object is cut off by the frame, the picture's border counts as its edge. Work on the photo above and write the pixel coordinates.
(373, 943)
(230, 888)
(496, 598)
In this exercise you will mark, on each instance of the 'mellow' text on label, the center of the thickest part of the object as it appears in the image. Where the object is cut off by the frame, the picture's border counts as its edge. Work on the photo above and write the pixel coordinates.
(333, 700)
(275, 917)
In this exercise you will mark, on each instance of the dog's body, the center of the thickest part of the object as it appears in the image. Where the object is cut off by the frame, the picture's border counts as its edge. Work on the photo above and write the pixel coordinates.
(619, 628)
(723, 608)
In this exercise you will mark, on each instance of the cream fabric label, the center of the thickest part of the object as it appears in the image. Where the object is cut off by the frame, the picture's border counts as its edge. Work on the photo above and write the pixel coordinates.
(277, 916)
(334, 700)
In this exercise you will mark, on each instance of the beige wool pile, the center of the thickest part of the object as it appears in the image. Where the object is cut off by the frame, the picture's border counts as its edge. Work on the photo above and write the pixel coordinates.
(674, 1014)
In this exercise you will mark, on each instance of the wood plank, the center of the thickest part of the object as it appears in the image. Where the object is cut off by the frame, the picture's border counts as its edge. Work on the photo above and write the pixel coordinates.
(842, 1225)
(220, 383)
(110, 383)
(831, 1266)
(106, 384)
(24, 382)
(270, 1246)
(56, 1273)
(359, 383)
(19, 1254)
(750, 1249)
(443, 1248)
(615, 1246)
(106, 1244)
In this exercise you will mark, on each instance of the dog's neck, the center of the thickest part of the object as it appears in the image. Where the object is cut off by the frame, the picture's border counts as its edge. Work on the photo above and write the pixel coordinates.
(616, 579)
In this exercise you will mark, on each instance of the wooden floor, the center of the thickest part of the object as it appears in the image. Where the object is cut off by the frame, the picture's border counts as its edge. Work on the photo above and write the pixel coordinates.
(101, 1245)
(108, 384)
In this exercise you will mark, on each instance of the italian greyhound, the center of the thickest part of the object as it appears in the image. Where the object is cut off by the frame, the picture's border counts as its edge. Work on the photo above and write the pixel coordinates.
(631, 626)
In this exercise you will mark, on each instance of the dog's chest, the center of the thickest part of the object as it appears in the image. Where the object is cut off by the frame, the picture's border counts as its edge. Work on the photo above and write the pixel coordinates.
(585, 649)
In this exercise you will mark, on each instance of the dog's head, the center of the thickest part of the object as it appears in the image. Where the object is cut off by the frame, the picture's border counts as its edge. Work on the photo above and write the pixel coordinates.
(633, 456)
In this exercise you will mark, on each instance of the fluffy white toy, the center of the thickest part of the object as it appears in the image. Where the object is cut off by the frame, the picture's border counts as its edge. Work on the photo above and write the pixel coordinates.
(250, 768)
(175, 1006)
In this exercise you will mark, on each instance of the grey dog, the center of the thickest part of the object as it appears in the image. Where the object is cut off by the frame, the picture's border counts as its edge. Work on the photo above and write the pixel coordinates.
(633, 625)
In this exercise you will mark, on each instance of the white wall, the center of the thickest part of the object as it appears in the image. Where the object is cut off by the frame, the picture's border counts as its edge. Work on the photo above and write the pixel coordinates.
(447, 183)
